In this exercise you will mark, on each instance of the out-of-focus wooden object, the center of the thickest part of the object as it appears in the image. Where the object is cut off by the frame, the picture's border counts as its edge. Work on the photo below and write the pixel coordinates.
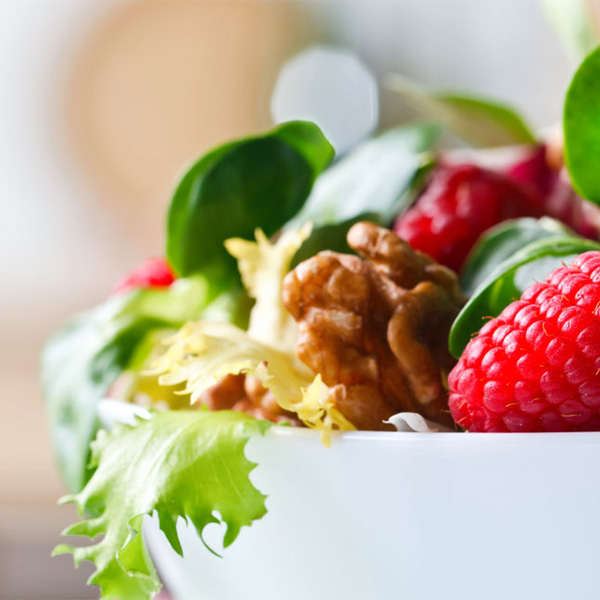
(158, 83)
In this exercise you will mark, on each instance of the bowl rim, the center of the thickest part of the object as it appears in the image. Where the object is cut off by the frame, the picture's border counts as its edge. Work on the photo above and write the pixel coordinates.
(282, 432)
(113, 411)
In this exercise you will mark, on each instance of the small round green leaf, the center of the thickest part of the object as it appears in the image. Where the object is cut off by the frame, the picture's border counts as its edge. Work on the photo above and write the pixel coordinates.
(377, 177)
(582, 128)
(501, 242)
(510, 279)
(255, 182)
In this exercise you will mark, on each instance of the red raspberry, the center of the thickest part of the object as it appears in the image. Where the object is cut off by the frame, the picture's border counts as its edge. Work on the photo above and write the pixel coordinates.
(555, 193)
(532, 171)
(459, 204)
(535, 367)
(154, 272)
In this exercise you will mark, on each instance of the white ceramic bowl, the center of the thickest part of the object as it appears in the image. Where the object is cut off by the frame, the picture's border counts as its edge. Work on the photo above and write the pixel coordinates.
(407, 515)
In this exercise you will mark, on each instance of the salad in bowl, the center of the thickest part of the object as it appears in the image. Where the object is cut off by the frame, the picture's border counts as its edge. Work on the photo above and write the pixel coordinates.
(396, 289)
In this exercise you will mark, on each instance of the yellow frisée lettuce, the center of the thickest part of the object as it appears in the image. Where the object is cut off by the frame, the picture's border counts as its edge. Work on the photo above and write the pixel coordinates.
(263, 266)
(204, 352)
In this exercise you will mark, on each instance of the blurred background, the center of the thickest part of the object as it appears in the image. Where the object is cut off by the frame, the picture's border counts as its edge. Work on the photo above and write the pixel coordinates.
(103, 102)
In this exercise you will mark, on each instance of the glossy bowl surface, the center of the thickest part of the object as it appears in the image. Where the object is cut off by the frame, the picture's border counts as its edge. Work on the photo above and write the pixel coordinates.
(406, 515)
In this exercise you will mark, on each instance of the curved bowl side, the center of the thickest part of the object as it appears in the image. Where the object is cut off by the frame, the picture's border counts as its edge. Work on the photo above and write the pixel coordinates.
(412, 515)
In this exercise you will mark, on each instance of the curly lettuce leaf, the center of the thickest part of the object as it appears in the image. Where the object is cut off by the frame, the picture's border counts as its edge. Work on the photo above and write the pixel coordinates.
(263, 267)
(83, 360)
(188, 464)
(204, 352)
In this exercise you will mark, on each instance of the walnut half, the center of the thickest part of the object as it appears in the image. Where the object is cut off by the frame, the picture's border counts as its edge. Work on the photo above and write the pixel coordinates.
(376, 327)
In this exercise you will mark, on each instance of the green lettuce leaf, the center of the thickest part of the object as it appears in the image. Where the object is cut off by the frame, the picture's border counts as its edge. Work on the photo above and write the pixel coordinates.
(188, 464)
(261, 181)
(83, 360)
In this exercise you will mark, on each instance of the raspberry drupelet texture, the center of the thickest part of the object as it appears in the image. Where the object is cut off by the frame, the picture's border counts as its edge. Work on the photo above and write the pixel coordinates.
(536, 367)
(458, 205)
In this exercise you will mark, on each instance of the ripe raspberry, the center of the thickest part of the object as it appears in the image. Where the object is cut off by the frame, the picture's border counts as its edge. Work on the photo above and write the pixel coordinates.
(154, 272)
(536, 366)
(459, 204)
(555, 193)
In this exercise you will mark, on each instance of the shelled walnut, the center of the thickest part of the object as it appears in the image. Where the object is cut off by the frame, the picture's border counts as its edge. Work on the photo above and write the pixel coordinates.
(376, 327)
(246, 394)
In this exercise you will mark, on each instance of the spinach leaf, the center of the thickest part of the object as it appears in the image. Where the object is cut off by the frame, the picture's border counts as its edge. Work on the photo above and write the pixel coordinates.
(581, 122)
(84, 359)
(254, 182)
(376, 178)
(478, 121)
(375, 182)
(330, 237)
(501, 242)
(510, 279)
